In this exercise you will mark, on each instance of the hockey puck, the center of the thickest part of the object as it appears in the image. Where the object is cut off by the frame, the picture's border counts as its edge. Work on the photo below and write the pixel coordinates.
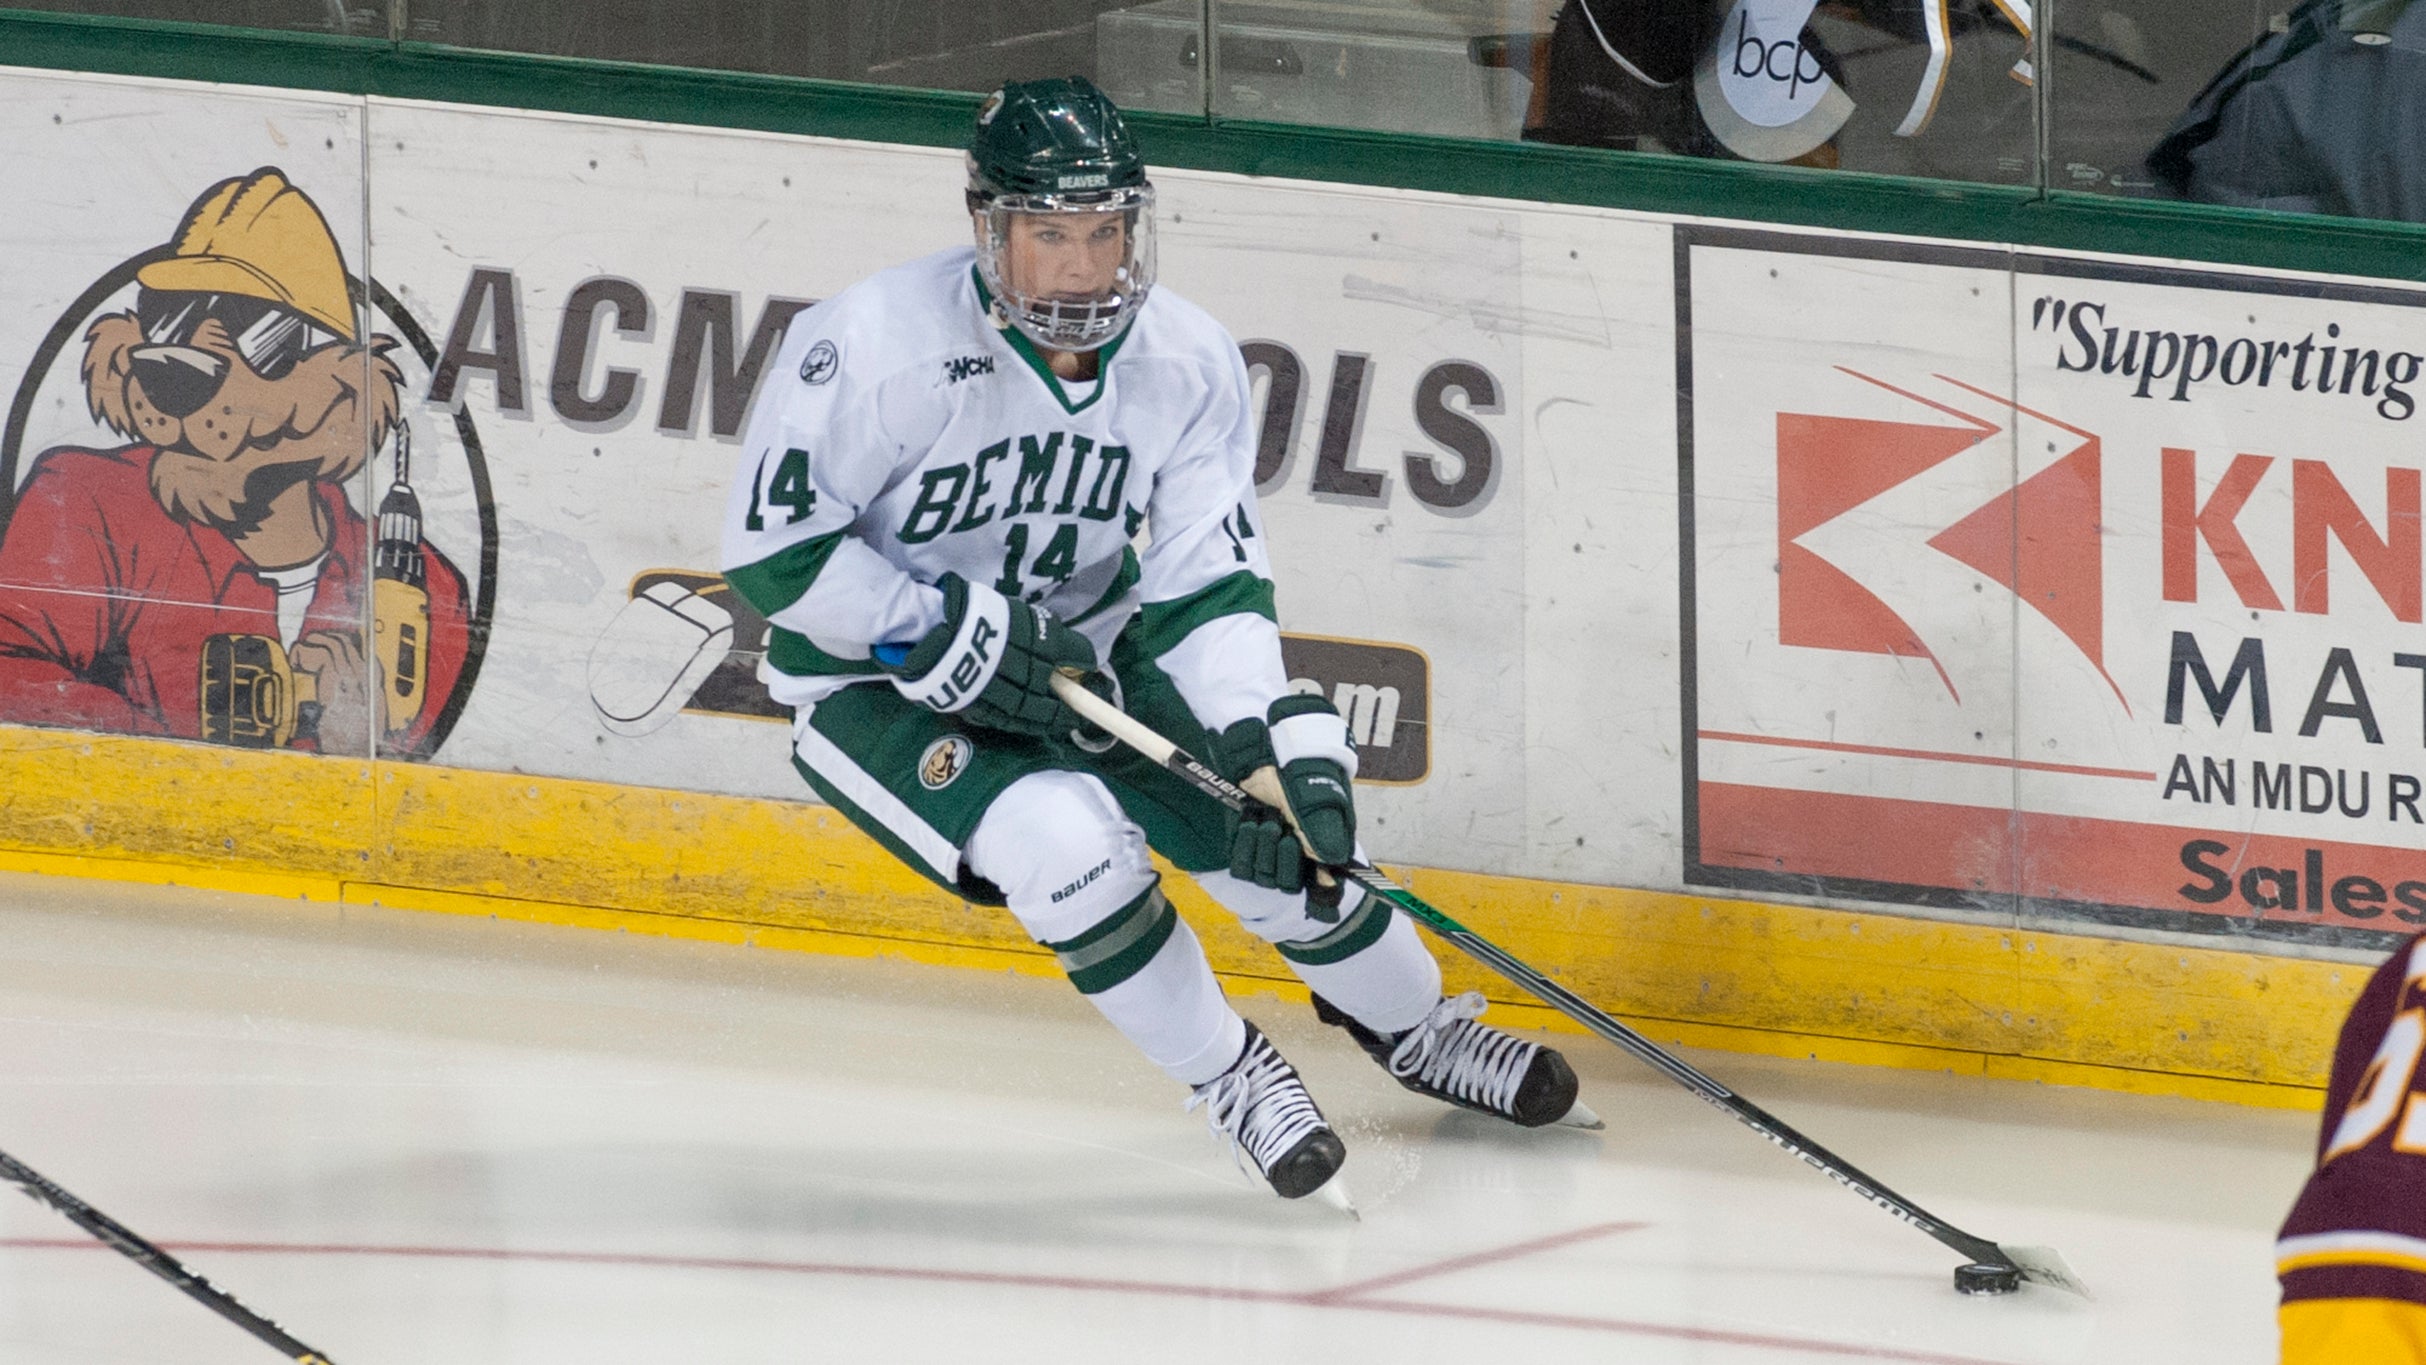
(1983, 1278)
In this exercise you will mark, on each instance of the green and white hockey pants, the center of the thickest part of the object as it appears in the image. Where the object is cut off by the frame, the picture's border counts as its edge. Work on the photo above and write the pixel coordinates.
(1059, 834)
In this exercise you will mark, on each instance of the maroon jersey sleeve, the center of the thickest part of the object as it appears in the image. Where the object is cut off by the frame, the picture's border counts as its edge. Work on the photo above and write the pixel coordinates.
(2359, 1228)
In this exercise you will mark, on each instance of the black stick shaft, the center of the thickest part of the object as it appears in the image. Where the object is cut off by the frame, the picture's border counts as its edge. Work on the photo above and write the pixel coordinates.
(120, 1239)
(1759, 1120)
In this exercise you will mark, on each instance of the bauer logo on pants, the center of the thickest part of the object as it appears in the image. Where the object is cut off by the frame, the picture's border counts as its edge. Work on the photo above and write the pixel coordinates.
(943, 762)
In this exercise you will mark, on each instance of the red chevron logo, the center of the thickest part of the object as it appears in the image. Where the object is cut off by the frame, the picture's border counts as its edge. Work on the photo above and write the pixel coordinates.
(2040, 539)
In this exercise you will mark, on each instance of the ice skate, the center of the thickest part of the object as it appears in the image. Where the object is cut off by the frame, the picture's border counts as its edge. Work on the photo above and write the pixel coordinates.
(1261, 1106)
(1474, 1066)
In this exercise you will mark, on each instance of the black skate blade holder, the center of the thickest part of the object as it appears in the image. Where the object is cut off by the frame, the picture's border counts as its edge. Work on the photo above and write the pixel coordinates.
(1989, 1268)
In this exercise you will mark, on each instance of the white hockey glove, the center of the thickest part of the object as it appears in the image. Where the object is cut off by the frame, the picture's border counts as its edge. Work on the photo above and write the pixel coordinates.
(992, 661)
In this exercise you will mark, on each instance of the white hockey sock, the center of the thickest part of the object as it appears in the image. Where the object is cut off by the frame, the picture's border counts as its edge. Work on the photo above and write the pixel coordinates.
(1175, 1013)
(1386, 981)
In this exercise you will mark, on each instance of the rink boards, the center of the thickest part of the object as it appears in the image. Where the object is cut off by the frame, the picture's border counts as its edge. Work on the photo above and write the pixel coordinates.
(1963, 655)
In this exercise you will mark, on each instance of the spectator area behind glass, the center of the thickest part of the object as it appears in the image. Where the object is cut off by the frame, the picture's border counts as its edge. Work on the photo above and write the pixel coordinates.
(2310, 106)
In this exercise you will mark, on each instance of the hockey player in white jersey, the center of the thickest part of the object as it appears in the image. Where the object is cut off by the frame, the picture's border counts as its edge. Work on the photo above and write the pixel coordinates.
(940, 502)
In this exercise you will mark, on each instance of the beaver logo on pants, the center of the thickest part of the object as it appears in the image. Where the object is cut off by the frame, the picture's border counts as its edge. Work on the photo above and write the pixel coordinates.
(944, 761)
(211, 579)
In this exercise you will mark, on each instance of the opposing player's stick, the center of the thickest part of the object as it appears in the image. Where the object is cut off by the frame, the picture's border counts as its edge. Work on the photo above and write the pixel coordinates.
(1992, 1268)
(115, 1235)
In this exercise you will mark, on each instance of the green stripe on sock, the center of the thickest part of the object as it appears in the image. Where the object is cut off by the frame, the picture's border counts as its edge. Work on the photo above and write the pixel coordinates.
(1121, 946)
(1361, 930)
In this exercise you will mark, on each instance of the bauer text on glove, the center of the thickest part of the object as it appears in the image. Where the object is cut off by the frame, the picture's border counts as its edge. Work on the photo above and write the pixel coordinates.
(992, 661)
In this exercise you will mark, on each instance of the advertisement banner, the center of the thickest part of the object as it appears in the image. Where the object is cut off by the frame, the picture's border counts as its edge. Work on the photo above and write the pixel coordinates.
(313, 446)
(1961, 580)
(2053, 587)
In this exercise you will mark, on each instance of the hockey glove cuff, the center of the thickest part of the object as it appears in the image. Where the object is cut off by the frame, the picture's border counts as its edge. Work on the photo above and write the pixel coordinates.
(1316, 763)
(1089, 736)
(992, 661)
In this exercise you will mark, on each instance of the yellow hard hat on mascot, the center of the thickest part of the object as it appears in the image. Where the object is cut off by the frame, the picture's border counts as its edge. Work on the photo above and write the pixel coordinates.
(256, 236)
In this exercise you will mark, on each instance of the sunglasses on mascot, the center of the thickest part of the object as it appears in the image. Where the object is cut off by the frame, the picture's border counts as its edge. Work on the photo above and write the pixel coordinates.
(270, 338)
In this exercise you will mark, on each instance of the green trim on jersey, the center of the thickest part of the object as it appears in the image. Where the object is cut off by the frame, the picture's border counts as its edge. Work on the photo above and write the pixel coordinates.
(1160, 626)
(779, 580)
(1121, 946)
(776, 582)
(1026, 350)
(789, 651)
(1123, 579)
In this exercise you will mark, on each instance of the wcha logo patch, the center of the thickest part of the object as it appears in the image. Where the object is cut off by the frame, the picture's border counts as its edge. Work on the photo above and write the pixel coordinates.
(820, 364)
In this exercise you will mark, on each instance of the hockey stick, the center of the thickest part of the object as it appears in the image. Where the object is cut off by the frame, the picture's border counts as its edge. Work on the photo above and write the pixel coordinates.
(1992, 1268)
(115, 1235)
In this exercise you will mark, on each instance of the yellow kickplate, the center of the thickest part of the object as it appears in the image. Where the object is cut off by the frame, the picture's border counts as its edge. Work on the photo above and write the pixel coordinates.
(1779, 980)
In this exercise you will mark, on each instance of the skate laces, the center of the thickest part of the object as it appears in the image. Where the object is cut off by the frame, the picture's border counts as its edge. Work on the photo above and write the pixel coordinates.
(1450, 1053)
(1259, 1106)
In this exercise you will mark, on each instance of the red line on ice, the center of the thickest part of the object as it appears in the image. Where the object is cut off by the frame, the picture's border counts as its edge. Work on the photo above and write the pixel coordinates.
(1358, 1288)
(1347, 1298)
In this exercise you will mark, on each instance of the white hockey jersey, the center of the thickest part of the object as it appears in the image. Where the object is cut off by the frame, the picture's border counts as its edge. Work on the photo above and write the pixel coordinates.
(899, 435)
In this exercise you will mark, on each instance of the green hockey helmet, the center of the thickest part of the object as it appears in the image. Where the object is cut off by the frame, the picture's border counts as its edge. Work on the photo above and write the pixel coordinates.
(1053, 162)
(1051, 137)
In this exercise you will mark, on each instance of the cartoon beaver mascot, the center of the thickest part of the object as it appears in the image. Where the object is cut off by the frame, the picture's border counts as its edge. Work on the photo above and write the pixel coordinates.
(210, 581)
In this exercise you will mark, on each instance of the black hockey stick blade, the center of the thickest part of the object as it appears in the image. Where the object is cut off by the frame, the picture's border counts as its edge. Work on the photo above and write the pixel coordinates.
(118, 1238)
(2039, 1265)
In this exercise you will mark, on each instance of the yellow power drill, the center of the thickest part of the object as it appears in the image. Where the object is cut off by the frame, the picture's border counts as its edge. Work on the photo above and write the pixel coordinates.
(253, 698)
(400, 594)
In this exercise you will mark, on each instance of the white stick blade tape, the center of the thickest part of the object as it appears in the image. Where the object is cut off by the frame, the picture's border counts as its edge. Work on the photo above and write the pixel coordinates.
(2045, 1265)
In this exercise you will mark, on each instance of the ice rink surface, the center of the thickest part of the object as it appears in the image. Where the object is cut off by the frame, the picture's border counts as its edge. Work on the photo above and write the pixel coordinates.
(418, 1139)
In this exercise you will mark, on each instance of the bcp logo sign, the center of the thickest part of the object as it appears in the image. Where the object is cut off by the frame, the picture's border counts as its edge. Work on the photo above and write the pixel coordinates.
(1766, 71)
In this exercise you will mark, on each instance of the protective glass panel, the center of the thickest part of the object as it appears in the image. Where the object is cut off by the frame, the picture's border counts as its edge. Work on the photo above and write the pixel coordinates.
(363, 17)
(935, 44)
(1896, 86)
(2297, 105)
(180, 554)
(2310, 108)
